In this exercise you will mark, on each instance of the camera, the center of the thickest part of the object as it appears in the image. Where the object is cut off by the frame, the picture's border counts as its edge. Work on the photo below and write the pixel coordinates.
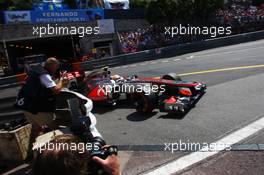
(102, 153)
(81, 130)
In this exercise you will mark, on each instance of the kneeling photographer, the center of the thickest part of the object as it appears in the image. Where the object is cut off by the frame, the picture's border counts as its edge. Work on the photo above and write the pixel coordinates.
(65, 157)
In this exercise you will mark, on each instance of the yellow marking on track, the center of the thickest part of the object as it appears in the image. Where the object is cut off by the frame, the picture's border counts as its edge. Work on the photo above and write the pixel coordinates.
(221, 70)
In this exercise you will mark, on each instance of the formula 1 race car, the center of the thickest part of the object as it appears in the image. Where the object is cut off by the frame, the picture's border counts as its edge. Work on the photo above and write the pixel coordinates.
(169, 93)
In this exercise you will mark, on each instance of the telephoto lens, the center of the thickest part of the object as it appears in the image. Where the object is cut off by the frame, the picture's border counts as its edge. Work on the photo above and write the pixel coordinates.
(99, 142)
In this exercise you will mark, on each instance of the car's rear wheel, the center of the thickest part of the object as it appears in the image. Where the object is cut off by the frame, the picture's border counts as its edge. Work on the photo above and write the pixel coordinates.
(171, 76)
(145, 103)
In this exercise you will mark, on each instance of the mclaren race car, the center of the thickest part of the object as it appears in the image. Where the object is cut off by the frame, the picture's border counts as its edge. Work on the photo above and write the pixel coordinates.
(169, 93)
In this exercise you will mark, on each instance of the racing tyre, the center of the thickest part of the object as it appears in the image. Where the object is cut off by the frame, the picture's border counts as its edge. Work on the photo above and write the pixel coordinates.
(145, 103)
(171, 76)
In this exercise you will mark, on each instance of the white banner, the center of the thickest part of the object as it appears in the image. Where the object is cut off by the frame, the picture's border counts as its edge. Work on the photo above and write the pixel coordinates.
(17, 17)
(116, 4)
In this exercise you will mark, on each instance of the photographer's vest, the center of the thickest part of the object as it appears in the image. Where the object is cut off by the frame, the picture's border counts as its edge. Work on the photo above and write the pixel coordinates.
(34, 97)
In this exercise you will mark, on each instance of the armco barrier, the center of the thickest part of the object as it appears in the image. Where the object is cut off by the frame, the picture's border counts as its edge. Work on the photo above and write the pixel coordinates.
(16, 79)
(152, 54)
(210, 43)
(171, 51)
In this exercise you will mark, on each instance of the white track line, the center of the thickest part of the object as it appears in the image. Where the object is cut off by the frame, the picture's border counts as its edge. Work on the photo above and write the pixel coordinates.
(190, 57)
(177, 59)
(154, 62)
(192, 158)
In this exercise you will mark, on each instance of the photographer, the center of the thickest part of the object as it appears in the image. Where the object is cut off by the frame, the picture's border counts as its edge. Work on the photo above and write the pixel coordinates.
(63, 159)
(38, 95)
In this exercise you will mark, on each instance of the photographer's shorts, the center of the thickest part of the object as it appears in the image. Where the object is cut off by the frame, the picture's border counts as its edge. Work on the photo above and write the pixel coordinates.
(40, 119)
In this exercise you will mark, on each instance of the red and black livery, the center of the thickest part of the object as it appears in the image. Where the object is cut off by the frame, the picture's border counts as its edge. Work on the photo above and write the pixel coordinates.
(175, 96)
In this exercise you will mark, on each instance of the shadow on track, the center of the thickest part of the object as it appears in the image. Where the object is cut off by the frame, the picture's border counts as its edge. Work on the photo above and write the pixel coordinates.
(173, 116)
(137, 117)
(99, 108)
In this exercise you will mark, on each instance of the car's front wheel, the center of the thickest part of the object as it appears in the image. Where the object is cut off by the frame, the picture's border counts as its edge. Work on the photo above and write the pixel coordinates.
(145, 103)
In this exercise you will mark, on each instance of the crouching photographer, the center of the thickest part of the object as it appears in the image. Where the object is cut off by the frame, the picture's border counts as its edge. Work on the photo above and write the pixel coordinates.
(37, 97)
(69, 156)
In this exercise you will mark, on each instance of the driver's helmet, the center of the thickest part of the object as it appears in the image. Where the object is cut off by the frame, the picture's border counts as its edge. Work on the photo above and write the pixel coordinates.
(115, 77)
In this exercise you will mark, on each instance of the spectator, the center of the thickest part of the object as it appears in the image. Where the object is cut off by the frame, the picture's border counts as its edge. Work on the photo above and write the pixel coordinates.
(239, 14)
(149, 38)
(242, 16)
(142, 39)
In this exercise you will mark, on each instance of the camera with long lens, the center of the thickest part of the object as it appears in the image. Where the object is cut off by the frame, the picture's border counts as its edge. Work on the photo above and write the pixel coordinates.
(83, 126)
(97, 150)
(82, 131)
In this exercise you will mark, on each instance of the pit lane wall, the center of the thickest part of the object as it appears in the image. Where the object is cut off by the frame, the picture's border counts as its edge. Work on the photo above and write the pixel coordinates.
(148, 55)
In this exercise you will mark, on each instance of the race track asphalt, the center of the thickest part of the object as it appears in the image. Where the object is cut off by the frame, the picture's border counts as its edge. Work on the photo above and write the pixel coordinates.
(233, 98)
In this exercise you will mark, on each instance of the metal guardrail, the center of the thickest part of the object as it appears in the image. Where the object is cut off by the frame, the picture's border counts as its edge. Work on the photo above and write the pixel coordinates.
(149, 55)
(12, 81)
(170, 51)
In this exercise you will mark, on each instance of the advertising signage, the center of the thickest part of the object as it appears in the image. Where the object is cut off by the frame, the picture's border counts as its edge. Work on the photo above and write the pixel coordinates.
(17, 17)
(80, 15)
(116, 4)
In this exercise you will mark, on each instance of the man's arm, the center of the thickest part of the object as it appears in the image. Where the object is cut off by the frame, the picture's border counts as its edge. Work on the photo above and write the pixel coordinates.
(47, 81)
(56, 89)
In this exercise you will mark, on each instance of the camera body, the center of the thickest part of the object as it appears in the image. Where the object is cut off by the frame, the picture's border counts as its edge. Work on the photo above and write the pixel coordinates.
(102, 153)
(98, 144)
(81, 128)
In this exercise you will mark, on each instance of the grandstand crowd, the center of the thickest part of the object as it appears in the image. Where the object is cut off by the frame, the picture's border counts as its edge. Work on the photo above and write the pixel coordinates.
(142, 39)
(241, 15)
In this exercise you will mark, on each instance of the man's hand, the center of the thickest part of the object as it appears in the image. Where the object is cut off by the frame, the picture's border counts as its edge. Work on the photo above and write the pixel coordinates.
(110, 164)
(64, 79)
(64, 82)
